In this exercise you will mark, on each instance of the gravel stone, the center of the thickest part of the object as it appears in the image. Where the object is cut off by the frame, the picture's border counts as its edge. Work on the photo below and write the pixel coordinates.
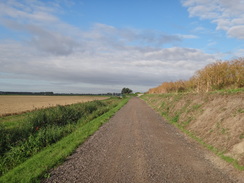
(138, 146)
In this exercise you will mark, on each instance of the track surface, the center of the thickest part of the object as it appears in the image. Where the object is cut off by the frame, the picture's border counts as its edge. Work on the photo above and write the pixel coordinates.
(137, 146)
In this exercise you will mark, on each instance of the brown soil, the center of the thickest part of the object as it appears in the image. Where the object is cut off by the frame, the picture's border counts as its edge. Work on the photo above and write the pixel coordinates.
(217, 119)
(137, 145)
(15, 104)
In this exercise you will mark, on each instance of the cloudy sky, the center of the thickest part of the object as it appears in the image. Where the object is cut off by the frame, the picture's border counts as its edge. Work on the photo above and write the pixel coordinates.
(94, 46)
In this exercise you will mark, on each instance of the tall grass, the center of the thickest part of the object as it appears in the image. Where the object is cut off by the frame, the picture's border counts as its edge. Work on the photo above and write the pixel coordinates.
(216, 76)
(36, 167)
(43, 128)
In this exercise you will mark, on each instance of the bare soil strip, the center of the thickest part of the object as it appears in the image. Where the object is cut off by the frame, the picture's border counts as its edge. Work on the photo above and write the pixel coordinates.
(137, 145)
(15, 104)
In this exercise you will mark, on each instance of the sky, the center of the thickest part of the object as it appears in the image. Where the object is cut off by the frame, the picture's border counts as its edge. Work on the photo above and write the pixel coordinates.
(94, 46)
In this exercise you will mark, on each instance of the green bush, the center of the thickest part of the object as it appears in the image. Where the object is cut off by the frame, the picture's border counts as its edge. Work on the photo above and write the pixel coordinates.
(43, 128)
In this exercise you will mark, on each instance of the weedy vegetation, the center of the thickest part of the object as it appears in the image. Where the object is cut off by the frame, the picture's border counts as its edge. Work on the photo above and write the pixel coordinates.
(220, 76)
(39, 140)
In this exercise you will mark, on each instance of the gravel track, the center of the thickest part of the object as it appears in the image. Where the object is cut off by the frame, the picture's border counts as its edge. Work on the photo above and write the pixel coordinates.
(138, 146)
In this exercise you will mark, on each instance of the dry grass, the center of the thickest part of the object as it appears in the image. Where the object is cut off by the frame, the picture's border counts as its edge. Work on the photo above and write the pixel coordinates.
(216, 76)
(216, 119)
(15, 104)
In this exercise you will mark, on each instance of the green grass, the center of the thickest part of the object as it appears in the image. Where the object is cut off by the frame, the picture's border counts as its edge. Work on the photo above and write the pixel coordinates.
(219, 153)
(210, 147)
(175, 119)
(241, 136)
(228, 91)
(196, 106)
(232, 161)
(34, 168)
(240, 110)
(14, 120)
(43, 128)
(228, 159)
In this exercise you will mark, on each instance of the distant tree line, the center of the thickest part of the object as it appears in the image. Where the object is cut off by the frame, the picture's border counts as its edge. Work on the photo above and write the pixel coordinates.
(25, 93)
(57, 94)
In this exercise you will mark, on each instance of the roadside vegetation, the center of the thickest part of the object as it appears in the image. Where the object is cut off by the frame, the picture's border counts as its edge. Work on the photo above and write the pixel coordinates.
(221, 75)
(125, 91)
(215, 120)
(47, 136)
(208, 107)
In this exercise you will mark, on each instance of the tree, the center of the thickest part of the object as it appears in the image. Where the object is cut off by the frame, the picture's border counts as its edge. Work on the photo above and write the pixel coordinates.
(126, 91)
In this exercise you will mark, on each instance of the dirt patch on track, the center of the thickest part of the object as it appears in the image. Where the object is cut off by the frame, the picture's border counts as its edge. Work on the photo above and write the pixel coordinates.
(15, 104)
(137, 145)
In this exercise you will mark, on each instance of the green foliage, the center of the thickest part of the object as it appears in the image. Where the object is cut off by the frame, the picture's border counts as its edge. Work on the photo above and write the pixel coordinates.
(242, 136)
(229, 91)
(184, 124)
(196, 106)
(43, 128)
(240, 110)
(232, 161)
(35, 167)
(126, 91)
(175, 119)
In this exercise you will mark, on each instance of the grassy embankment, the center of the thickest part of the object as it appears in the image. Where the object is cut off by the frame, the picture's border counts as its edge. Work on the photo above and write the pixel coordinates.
(214, 119)
(33, 143)
(208, 107)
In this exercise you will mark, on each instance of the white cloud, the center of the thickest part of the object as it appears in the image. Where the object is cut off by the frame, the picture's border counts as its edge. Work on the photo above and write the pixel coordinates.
(239, 53)
(134, 67)
(237, 30)
(28, 11)
(187, 36)
(58, 54)
(227, 15)
(211, 43)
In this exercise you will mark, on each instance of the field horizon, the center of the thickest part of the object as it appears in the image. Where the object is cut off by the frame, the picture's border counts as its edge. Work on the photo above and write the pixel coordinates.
(17, 104)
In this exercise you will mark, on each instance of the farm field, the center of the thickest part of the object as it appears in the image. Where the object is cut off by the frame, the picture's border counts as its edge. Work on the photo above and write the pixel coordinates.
(14, 104)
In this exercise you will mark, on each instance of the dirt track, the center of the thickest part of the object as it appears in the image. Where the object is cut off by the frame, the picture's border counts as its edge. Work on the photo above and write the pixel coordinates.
(136, 145)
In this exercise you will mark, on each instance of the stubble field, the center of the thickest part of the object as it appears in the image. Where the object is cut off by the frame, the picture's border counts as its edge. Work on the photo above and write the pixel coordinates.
(15, 104)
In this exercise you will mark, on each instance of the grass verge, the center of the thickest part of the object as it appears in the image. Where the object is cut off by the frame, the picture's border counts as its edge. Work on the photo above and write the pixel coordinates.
(43, 128)
(37, 166)
(173, 118)
(210, 147)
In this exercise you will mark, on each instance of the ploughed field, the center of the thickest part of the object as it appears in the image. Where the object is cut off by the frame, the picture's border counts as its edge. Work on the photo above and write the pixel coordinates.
(15, 104)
